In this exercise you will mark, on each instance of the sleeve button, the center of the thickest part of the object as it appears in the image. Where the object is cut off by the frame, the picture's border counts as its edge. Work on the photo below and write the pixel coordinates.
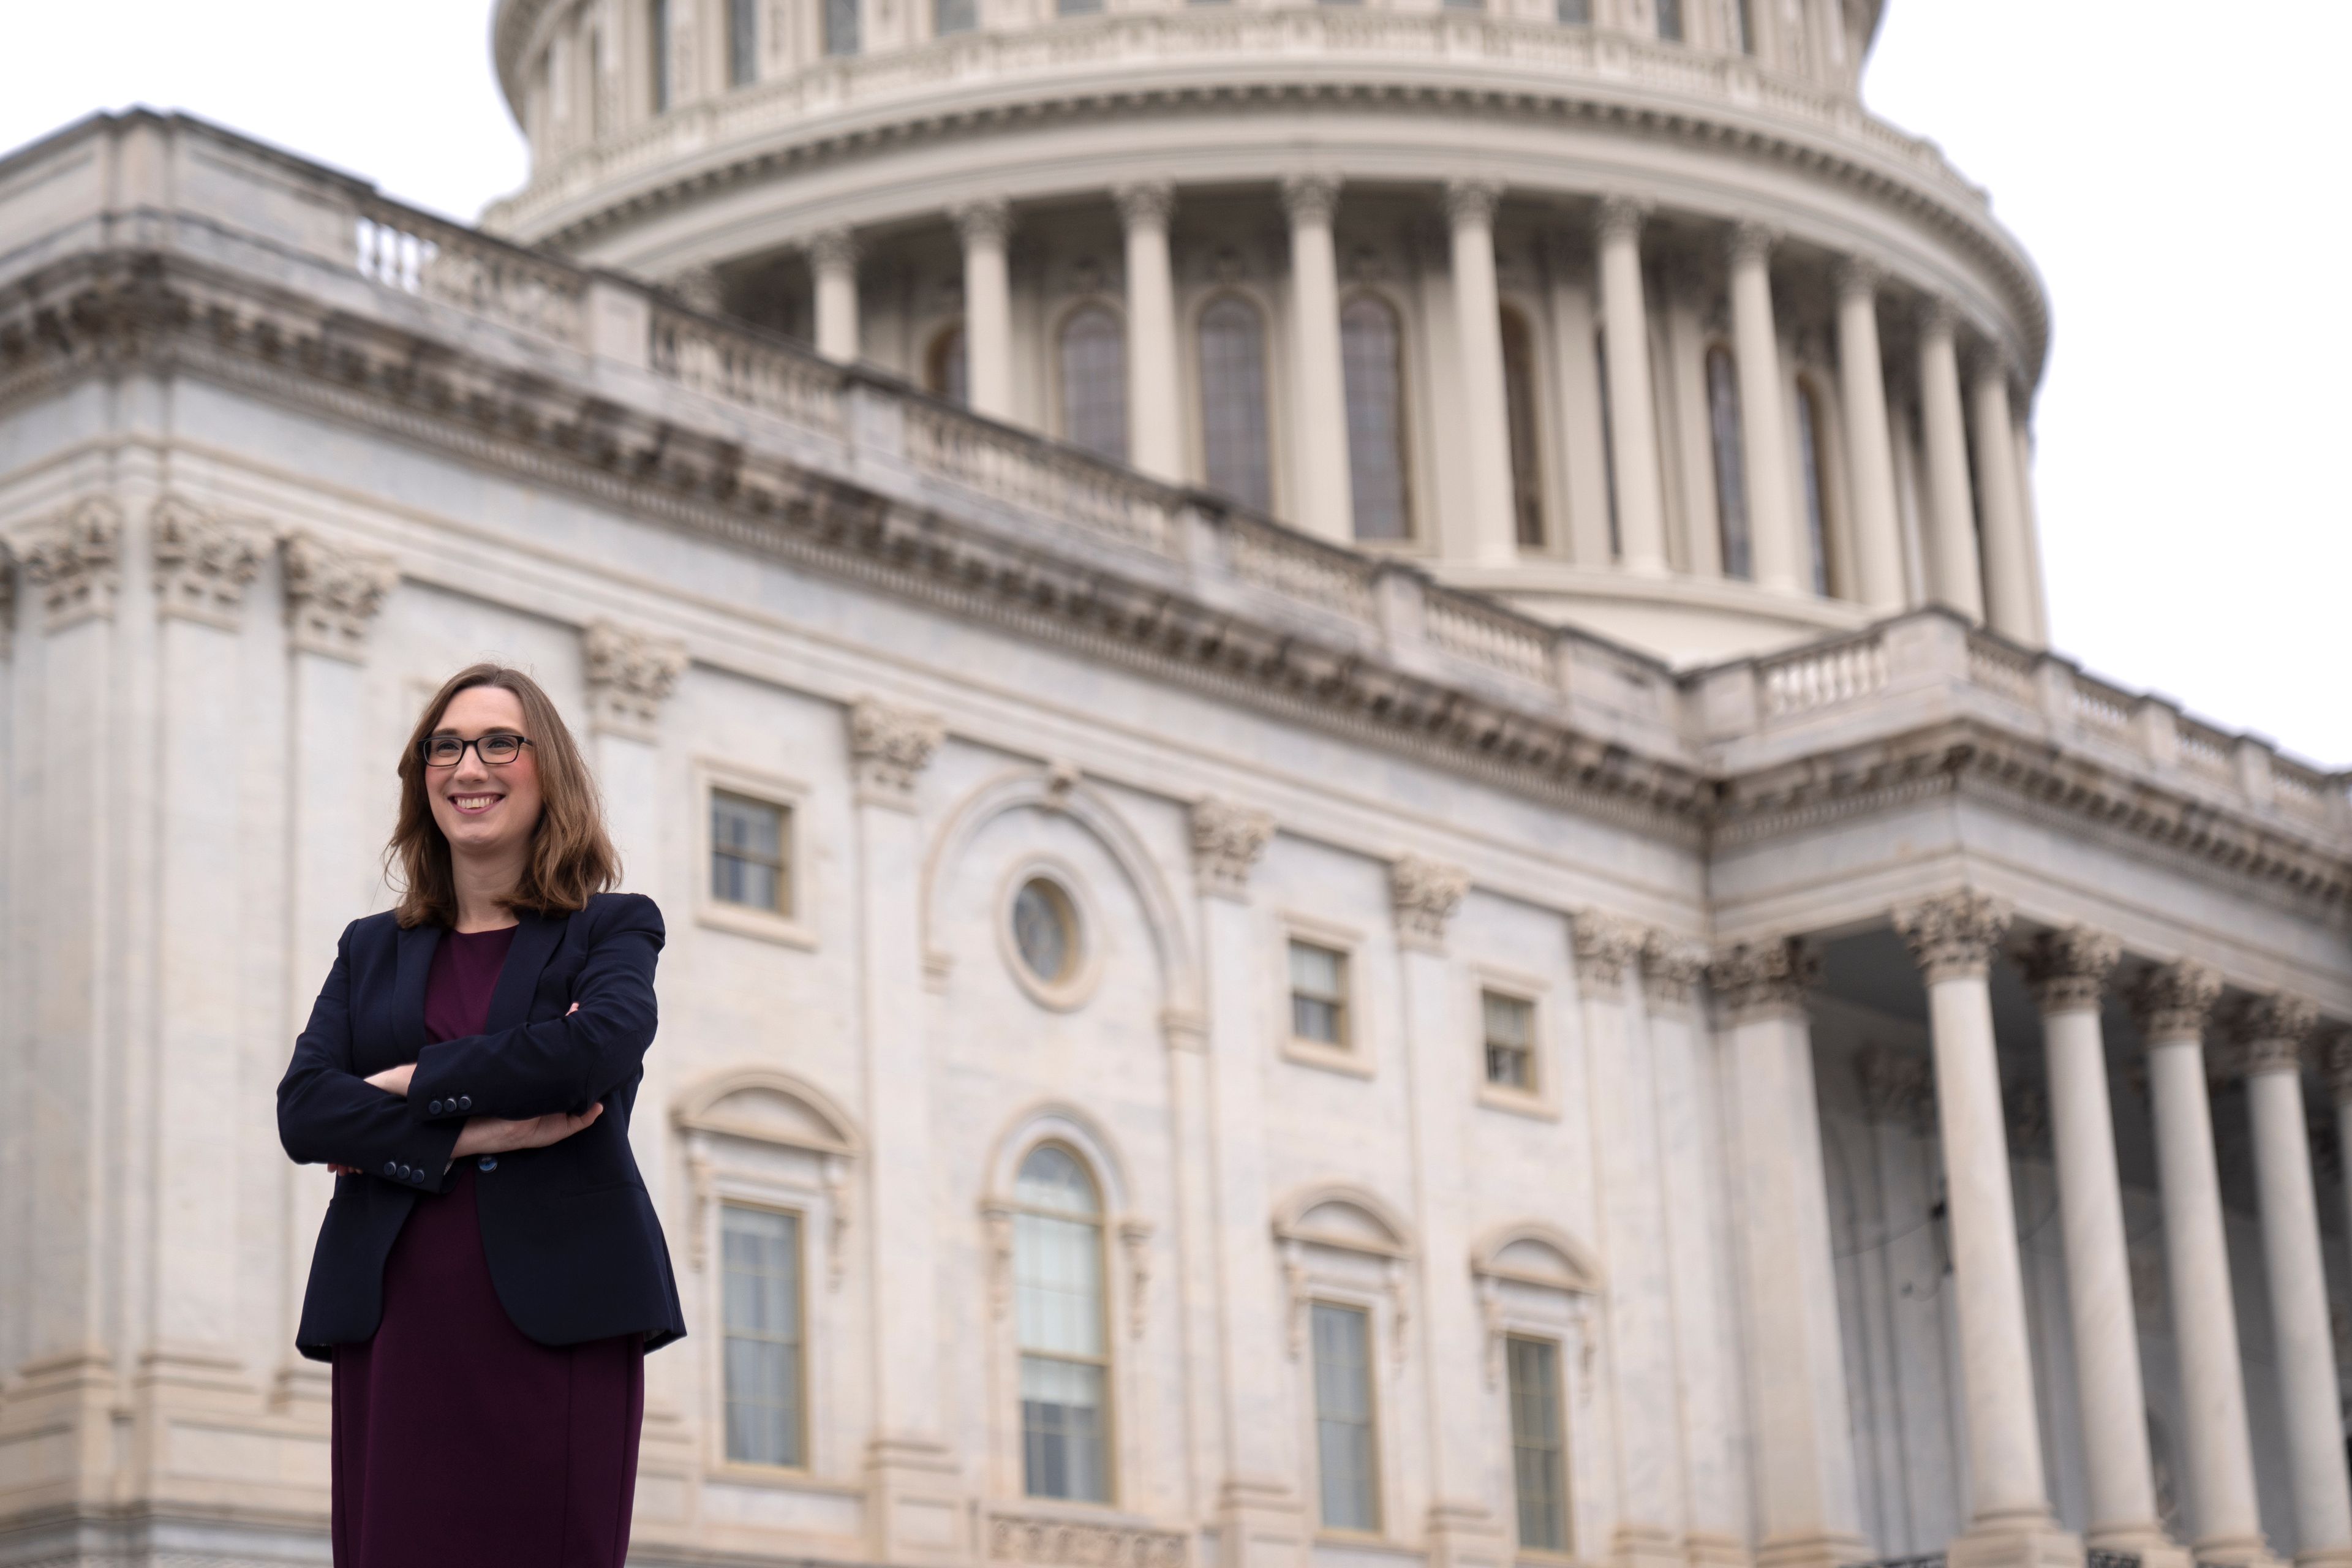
(392, 1167)
(464, 1103)
(433, 1109)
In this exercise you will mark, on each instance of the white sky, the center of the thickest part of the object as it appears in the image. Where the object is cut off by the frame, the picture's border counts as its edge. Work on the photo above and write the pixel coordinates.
(2180, 172)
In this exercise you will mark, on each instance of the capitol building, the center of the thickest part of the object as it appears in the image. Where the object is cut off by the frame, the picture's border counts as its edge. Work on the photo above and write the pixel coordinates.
(1372, 854)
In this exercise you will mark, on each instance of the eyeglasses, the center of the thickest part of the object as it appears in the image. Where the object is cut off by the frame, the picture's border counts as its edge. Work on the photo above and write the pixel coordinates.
(448, 751)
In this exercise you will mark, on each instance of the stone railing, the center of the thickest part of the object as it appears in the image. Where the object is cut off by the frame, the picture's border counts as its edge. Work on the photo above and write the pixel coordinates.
(1330, 576)
(706, 356)
(1488, 633)
(1035, 475)
(417, 253)
(1824, 675)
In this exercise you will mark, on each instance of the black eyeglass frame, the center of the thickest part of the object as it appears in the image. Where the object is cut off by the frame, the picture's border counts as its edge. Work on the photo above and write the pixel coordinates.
(424, 749)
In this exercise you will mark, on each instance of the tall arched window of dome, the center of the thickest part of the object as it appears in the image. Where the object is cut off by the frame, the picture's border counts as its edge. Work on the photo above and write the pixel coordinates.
(742, 42)
(841, 26)
(1575, 13)
(954, 16)
(1094, 381)
(1730, 461)
(658, 55)
(1059, 1290)
(1519, 414)
(944, 375)
(1743, 26)
(1815, 481)
(1608, 439)
(1670, 20)
(1233, 434)
(1372, 355)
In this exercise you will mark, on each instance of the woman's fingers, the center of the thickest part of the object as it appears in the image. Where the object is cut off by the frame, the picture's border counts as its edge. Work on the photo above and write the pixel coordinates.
(574, 1008)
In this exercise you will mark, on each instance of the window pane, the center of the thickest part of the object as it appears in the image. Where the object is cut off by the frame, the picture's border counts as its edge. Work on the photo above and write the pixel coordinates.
(742, 42)
(761, 1265)
(943, 368)
(1538, 1472)
(1051, 1178)
(1318, 994)
(1233, 400)
(841, 26)
(1730, 463)
(1057, 1277)
(747, 863)
(1094, 382)
(1343, 1417)
(1510, 1040)
(1670, 20)
(954, 16)
(1809, 464)
(657, 31)
(1063, 1450)
(1371, 344)
(1519, 411)
(1044, 930)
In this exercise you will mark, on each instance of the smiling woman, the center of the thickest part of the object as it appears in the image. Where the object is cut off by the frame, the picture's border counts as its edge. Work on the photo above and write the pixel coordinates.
(486, 1322)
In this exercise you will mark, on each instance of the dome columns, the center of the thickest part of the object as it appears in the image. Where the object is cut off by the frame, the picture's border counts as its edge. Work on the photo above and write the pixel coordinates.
(1632, 423)
(833, 265)
(1325, 502)
(1477, 308)
(2013, 605)
(1154, 422)
(984, 226)
(1954, 578)
(1877, 517)
(1780, 553)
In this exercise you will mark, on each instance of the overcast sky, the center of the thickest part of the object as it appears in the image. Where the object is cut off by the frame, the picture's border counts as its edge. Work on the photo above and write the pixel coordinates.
(2178, 174)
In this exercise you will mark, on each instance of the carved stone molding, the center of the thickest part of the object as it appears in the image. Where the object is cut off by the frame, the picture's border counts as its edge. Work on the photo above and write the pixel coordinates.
(1310, 197)
(1763, 979)
(1671, 968)
(1472, 200)
(1052, 1542)
(76, 561)
(630, 674)
(1749, 241)
(2173, 1001)
(1859, 275)
(1606, 946)
(2069, 969)
(985, 221)
(1228, 840)
(1620, 218)
(888, 749)
(1426, 894)
(1939, 317)
(204, 562)
(832, 249)
(2270, 1033)
(1145, 204)
(1897, 1088)
(333, 594)
(1954, 935)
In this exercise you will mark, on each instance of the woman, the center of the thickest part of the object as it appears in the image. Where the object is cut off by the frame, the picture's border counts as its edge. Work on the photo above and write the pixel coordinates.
(491, 1273)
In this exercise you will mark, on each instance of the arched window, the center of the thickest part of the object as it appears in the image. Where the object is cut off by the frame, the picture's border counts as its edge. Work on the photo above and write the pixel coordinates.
(1730, 462)
(1371, 353)
(954, 16)
(841, 22)
(1057, 1273)
(1670, 20)
(1809, 466)
(1094, 381)
(742, 42)
(1519, 414)
(1233, 400)
(658, 57)
(1575, 13)
(943, 366)
(1608, 439)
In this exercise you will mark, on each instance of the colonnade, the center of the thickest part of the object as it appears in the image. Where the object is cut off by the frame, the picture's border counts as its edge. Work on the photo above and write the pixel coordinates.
(1975, 524)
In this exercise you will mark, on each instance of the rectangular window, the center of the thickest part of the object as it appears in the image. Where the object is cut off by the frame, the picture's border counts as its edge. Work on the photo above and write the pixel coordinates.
(765, 1375)
(1538, 1468)
(657, 56)
(1345, 1451)
(1318, 994)
(841, 26)
(954, 16)
(750, 864)
(742, 42)
(1670, 20)
(1057, 1287)
(1511, 1029)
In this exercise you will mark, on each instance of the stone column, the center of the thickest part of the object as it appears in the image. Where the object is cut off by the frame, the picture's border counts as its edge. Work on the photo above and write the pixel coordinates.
(1870, 448)
(1583, 454)
(2069, 970)
(2008, 591)
(1781, 551)
(1633, 1218)
(1154, 423)
(1953, 576)
(1484, 421)
(1953, 938)
(914, 1508)
(334, 593)
(1318, 402)
(1261, 1520)
(833, 261)
(1632, 412)
(2272, 1033)
(987, 305)
(1809, 1512)
(2339, 1089)
(2173, 1002)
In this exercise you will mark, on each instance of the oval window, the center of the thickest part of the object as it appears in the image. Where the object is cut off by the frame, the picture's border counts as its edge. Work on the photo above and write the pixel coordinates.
(1046, 931)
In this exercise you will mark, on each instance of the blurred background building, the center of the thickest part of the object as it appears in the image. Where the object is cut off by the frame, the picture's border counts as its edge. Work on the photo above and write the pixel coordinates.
(1371, 857)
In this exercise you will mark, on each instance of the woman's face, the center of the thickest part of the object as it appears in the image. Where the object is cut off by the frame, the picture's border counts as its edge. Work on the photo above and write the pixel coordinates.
(485, 812)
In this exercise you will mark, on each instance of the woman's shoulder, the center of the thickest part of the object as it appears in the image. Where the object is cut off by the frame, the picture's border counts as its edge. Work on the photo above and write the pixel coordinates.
(368, 930)
(608, 912)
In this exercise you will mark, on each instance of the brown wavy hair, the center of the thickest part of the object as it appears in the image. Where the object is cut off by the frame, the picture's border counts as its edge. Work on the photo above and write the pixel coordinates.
(571, 858)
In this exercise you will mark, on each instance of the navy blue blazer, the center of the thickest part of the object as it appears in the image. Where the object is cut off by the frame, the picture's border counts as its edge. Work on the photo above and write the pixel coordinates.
(575, 1248)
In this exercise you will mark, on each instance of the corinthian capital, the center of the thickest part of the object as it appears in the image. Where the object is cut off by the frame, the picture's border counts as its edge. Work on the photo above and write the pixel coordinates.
(2270, 1033)
(1749, 242)
(1310, 197)
(2068, 969)
(1671, 968)
(832, 249)
(202, 562)
(1953, 934)
(76, 561)
(1859, 275)
(1425, 894)
(1619, 218)
(889, 748)
(630, 674)
(1763, 979)
(1472, 200)
(2173, 1001)
(2337, 1058)
(1145, 204)
(333, 594)
(1228, 840)
(1606, 946)
(985, 221)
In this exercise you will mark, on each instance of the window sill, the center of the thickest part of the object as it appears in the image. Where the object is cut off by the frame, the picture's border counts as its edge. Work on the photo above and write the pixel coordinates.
(741, 920)
(789, 1477)
(1329, 1058)
(1519, 1102)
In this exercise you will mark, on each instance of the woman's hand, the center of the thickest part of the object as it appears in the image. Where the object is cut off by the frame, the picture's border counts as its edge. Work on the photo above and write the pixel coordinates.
(497, 1135)
(394, 1080)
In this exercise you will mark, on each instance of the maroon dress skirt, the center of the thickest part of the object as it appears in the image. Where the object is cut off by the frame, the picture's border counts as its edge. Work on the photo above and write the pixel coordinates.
(458, 1442)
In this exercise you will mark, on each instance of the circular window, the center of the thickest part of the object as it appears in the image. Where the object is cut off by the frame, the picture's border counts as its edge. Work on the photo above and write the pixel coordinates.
(1046, 931)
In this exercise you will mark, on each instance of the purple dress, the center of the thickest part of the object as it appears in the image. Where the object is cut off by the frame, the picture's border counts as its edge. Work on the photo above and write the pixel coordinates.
(458, 1442)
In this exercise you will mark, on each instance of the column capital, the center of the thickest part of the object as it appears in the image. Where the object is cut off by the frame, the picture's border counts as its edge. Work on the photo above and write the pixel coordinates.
(1939, 317)
(1619, 217)
(1310, 196)
(1859, 277)
(986, 220)
(1471, 200)
(1145, 204)
(75, 559)
(1764, 979)
(2336, 1058)
(2270, 1032)
(1749, 242)
(1954, 934)
(1897, 1088)
(1606, 946)
(630, 673)
(833, 249)
(2173, 1001)
(2069, 969)
(1671, 968)
(333, 594)
(204, 562)
(889, 747)
(1424, 893)
(1227, 839)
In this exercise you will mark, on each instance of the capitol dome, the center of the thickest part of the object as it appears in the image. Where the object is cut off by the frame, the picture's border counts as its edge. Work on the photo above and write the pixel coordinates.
(1370, 270)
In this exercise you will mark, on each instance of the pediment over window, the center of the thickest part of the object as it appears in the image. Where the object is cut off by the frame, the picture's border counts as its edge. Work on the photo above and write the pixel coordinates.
(1348, 1218)
(1538, 1255)
(767, 1106)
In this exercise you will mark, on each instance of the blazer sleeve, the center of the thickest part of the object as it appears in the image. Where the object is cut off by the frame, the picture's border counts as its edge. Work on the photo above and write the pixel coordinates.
(327, 1114)
(563, 1064)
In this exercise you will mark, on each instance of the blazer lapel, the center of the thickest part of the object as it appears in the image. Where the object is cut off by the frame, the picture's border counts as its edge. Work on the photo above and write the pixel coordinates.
(413, 962)
(534, 943)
